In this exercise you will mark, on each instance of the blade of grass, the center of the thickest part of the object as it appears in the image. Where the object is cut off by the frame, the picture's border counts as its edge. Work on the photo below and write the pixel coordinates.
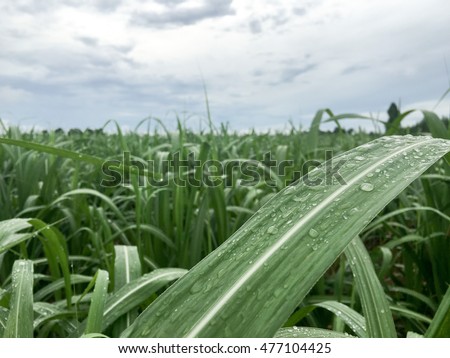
(127, 268)
(49, 312)
(20, 320)
(134, 293)
(95, 316)
(56, 251)
(380, 323)
(98, 162)
(58, 284)
(353, 319)
(9, 236)
(440, 325)
(4, 313)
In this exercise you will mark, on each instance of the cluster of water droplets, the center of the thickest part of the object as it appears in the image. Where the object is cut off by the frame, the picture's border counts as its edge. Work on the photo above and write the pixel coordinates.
(306, 332)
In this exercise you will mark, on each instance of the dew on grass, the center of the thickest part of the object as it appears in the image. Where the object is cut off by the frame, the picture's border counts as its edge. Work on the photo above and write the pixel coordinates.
(313, 233)
(366, 187)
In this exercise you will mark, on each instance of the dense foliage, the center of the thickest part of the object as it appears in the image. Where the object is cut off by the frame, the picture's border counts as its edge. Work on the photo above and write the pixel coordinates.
(86, 244)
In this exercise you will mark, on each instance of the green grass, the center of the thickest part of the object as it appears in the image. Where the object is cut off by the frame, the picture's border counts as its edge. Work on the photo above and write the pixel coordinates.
(365, 259)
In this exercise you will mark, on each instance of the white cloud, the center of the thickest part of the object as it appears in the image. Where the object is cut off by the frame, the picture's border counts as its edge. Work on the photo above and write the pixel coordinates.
(263, 62)
(11, 95)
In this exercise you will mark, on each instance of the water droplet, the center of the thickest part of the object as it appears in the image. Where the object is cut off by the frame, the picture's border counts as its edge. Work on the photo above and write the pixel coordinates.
(272, 229)
(289, 190)
(366, 187)
(301, 198)
(313, 233)
(359, 158)
(196, 287)
(277, 292)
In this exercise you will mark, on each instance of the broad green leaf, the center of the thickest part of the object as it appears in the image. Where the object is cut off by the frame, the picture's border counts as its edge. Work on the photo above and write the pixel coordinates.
(55, 248)
(440, 325)
(127, 268)
(9, 235)
(353, 319)
(133, 294)
(309, 332)
(136, 292)
(20, 320)
(250, 285)
(379, 321)
(95, 316)
(58, 284)
(50, 312)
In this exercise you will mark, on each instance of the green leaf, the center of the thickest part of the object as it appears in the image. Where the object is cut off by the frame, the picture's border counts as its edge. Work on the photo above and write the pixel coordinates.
(353, 319)
(58, 284)
(57, 254)
(250, 285)
(50, 312)
(380, 323)
(134, 293)
(4, 313)
(95, 316)
(53, 150)
(9, 236)
(20, 320)
(405, 312)
(440, 325)
(64, 153)
(127, 268)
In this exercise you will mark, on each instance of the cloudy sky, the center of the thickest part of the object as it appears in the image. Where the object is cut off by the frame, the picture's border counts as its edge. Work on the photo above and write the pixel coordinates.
(72, 63)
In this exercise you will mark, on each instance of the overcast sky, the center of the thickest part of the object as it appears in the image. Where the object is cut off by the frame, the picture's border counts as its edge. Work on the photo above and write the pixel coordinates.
(72, 63)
